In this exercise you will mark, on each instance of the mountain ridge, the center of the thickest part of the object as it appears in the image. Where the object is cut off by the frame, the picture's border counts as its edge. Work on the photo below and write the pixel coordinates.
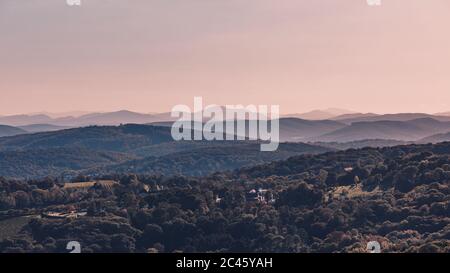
(411, 130)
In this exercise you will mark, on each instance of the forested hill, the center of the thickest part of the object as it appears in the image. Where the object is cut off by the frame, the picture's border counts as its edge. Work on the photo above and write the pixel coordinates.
(332, 202)
(367, 158)
(206, 158)
(142, 149)
(112, 138)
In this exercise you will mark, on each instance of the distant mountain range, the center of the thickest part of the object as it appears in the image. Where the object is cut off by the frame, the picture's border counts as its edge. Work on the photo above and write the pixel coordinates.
(341, 126)
(405, 127)
(109, 118)
(411, 130)
(349, 119)
(329, 113)
(20, 120)
(78, 119)
(300, 130)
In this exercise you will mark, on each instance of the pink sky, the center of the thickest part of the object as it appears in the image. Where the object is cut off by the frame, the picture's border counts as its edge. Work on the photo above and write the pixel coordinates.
(148, 55)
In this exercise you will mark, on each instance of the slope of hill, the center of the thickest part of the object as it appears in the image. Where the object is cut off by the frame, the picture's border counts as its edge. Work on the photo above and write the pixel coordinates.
(294, 129)
(54, 161)
(375, 143)
(349, 118)
(339, 161)
(20, 120)
(389, 130)
(210, 159)
(393, 117)
(166, 148)
(120, 138)
(151, 147)
(445, 137)
(55, 115)
(38, 128)
(6, 130)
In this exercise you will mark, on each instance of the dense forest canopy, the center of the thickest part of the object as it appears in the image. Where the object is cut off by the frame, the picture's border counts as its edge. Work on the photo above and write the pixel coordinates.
(144, 149)
(332, 202)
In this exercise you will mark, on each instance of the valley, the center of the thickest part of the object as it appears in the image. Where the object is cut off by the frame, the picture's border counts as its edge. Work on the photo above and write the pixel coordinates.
(330, 187)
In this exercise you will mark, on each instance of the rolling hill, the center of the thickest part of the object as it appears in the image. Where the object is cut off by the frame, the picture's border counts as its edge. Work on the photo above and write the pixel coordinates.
(151, 149)
(6, 130)
(329, 203)
(20, 120)
(294, 129)
(140, 148)
(54, 161)
(349, 118)
(412, 130)
(108, 138)
(108, 118)
(390, 117)
(206, 160)
(38, 128)
(378, 143)
(445, 137)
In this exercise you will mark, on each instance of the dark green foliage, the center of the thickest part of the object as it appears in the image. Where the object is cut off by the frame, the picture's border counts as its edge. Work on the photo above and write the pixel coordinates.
(98, 150)
(333, 202)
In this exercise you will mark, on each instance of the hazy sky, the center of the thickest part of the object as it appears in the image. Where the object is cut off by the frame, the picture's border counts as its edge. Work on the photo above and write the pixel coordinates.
(148, 55)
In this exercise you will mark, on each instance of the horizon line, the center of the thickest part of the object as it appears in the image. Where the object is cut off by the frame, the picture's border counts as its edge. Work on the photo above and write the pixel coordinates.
(88, 112)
